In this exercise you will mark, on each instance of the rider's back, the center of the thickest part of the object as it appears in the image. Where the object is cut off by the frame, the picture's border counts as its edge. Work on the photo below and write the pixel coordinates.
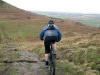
(51, 31)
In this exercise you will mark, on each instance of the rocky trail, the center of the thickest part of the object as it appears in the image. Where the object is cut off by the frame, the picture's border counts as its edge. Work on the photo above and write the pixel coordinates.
(29, 64)
(21, 62)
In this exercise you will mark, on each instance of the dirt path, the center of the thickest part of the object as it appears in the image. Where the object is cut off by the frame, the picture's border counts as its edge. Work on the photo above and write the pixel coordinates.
(29, 64)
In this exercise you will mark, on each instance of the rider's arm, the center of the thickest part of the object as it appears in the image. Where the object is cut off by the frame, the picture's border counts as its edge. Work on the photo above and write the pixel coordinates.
(42, 35)
(42, 32)
(59, 35)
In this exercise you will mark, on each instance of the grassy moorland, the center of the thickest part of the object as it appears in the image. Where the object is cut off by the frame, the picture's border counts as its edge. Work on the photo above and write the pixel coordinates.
(78, 52)
(86, 19)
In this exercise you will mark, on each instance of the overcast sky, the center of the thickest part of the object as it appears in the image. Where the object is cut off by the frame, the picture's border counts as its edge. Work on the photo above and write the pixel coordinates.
(80, 6)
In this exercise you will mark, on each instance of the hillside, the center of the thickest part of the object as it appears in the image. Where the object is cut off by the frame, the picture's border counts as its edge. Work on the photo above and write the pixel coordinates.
(12, 13)
(86, 19)
(78, 52)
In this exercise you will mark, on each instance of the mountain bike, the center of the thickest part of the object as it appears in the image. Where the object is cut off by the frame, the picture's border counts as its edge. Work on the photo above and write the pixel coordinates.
(52, 63)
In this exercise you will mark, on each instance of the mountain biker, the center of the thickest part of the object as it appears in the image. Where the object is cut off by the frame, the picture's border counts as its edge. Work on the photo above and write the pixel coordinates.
(50, 33)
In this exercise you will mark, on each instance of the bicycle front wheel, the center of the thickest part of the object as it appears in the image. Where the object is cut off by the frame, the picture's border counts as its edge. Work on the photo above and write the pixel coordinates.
(52, 69)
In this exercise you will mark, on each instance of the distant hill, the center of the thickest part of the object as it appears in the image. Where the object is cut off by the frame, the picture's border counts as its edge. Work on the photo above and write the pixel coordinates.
(86, 19)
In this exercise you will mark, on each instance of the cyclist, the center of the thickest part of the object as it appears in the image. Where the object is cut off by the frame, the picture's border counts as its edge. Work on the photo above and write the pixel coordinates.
(50, 33)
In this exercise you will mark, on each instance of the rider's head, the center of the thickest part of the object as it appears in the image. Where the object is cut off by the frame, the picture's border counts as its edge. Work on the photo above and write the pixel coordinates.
(51, 22)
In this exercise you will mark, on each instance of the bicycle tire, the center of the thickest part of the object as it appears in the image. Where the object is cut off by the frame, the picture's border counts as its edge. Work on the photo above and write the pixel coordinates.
(52, 65)
(52, 70)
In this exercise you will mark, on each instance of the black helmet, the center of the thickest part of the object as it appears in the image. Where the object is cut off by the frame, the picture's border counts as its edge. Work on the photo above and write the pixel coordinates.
(51, 22)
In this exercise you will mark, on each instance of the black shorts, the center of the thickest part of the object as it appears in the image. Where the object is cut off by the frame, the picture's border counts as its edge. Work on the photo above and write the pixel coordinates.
(48, 41)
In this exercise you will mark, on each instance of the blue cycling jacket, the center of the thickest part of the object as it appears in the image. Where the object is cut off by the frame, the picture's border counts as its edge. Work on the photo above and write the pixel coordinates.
(46, 27)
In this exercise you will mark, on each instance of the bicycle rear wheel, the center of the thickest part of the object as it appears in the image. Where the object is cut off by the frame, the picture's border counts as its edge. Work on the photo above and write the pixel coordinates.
(52, 66)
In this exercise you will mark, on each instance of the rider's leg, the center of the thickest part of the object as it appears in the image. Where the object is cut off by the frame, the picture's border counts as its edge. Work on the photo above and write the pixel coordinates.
(54, 49)
(54, 46)
(47, 51)
(46, 57)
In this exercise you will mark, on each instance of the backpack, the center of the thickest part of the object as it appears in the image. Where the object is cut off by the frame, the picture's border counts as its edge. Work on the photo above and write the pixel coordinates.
(51, 31)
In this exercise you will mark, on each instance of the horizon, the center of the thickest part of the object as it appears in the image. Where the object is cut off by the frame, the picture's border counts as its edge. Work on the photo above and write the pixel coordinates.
(77, 6)
(63, 12)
